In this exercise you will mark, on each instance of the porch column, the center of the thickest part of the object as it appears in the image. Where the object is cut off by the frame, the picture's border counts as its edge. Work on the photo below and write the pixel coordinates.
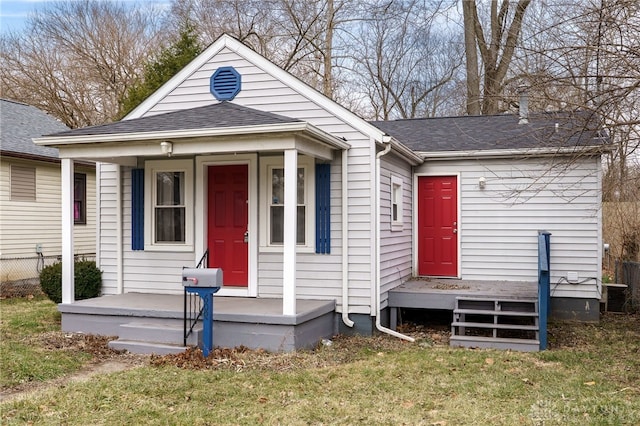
(290, 226)
(68, 293)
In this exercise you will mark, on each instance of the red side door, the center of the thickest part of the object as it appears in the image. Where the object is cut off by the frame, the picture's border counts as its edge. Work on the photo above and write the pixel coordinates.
(228, 214)
(437, 226)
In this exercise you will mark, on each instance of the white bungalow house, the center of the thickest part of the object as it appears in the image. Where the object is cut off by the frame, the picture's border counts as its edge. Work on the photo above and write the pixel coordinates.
(30, 210)
(321, 221)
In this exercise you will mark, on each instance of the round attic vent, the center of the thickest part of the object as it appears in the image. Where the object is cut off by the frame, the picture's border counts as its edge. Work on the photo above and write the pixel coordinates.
(225, 83)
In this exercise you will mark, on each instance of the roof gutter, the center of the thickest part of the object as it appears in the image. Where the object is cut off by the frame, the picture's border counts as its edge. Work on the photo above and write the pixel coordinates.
(379, 326)
(503, 153)
(293, 127)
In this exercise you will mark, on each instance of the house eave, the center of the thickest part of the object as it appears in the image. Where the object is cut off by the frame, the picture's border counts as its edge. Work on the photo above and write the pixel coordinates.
(402, 150)
(510, 153)
(295, 127)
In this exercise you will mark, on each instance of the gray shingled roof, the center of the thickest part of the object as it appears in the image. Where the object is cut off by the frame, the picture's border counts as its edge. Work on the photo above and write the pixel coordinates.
(491, 132)
(220, 115)
(19, 123)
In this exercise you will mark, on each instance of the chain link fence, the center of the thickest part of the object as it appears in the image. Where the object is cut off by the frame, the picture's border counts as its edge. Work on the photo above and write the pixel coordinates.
(20, 276)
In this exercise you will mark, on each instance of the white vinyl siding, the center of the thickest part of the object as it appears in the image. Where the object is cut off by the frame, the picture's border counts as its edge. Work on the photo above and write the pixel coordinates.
(318, 275)
(395, 242)
(499, 224)
(26, 223)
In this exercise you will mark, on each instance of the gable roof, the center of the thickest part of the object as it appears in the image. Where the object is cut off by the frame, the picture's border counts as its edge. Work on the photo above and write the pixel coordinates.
(20, 123)
(495, 132)
(214, 116)
(227, 41)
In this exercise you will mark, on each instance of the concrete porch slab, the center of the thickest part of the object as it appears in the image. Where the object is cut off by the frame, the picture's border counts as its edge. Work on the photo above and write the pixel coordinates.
(252, 322)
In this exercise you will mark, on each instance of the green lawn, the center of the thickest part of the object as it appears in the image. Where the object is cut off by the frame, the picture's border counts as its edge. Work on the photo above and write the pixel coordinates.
(590, 376)
(24, 325)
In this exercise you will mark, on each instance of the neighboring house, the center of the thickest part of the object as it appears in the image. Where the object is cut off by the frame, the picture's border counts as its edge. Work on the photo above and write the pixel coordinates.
(298, 199)
(30, 209)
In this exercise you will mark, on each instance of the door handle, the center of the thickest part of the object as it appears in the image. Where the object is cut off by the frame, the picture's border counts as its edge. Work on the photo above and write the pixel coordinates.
(455, 231)
(246, 236)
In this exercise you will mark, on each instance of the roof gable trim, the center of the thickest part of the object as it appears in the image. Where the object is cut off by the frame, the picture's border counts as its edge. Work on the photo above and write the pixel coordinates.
(267, 66)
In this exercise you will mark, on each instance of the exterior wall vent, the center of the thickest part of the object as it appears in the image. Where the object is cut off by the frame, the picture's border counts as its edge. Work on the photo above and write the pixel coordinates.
(225, 83)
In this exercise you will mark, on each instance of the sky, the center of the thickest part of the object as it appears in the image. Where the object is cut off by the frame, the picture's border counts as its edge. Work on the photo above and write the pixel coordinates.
(14, 14)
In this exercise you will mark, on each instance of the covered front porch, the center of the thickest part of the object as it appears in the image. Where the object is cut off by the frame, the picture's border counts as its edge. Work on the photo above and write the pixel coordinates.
(153, 323)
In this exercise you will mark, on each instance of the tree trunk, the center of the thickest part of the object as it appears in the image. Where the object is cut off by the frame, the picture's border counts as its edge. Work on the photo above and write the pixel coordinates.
(471, 54)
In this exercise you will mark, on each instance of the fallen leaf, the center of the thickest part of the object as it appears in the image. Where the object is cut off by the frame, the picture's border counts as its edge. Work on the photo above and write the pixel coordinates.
(408, 404)
(262, 400)
(489, 361)
(589, 383)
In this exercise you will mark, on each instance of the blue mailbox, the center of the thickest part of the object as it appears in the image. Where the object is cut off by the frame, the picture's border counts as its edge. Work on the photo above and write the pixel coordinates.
(204, 282)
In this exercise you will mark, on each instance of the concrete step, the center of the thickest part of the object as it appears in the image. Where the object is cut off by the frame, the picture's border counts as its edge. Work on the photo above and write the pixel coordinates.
(155, 332)
(523, 345)
(138, 347)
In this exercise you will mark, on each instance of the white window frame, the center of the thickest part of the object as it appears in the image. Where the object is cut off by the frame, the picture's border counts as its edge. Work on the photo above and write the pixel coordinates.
(267, 164)
(397, 199)
(151, 169)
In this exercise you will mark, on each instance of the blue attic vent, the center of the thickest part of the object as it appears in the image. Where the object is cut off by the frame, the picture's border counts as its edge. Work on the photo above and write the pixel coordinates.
(225, 83)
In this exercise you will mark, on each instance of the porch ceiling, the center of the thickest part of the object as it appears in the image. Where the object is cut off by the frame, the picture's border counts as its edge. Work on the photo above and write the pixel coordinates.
(217, 128)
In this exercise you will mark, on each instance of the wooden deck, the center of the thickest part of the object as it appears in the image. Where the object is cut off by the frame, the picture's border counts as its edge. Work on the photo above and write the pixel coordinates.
(441, 293)
(251, 322)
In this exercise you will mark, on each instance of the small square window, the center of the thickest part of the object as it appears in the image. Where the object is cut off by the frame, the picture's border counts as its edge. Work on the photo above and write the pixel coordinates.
(396, 202)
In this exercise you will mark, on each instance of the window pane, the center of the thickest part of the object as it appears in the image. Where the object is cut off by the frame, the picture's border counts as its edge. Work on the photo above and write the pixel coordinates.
(300, 186)
(170, 225)
(277, 224)
(277, 186)
(301, 221)
(170, 189)
(79, 198)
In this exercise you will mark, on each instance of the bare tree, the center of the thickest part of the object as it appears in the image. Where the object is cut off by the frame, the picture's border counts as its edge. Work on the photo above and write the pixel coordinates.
(77, 58)
(496, 50)
(407, 60)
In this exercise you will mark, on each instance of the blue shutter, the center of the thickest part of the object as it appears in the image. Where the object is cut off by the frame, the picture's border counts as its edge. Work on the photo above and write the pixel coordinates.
(137, 209)
(323, 208)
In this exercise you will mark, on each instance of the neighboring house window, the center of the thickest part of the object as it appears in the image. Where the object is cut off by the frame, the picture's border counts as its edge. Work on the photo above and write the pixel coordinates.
(23, 183)
(79, 198)
(396, 203)
(169, 199)
(273, 188)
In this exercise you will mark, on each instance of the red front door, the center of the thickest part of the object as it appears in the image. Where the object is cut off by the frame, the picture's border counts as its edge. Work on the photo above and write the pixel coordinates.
(437, 226)
(227, 222)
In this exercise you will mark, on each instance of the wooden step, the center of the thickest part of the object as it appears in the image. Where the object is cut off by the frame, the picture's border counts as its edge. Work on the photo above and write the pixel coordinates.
(496, 326)
(523, 345)
(494, 312)
(496, 299)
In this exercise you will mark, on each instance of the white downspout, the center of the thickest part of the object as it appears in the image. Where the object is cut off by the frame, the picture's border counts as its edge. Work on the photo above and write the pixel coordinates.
(379, 326)
(345, 242)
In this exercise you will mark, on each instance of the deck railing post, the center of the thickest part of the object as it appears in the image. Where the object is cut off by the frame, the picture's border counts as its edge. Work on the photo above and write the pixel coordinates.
(544, 284)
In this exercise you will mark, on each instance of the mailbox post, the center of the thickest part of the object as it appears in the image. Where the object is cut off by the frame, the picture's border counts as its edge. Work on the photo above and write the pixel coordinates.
(205, 283)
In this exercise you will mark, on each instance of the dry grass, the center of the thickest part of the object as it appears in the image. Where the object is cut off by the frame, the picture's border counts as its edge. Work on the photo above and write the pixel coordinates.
(591, 375)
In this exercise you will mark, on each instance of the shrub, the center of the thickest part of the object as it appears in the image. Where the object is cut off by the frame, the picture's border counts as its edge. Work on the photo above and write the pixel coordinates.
(88, 280)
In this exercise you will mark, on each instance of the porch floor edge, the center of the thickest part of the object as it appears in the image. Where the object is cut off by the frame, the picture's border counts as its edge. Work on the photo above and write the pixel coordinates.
(225, 308)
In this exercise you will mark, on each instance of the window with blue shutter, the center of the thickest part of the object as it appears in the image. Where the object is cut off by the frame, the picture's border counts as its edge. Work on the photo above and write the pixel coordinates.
(323, 208)
(137, 209)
